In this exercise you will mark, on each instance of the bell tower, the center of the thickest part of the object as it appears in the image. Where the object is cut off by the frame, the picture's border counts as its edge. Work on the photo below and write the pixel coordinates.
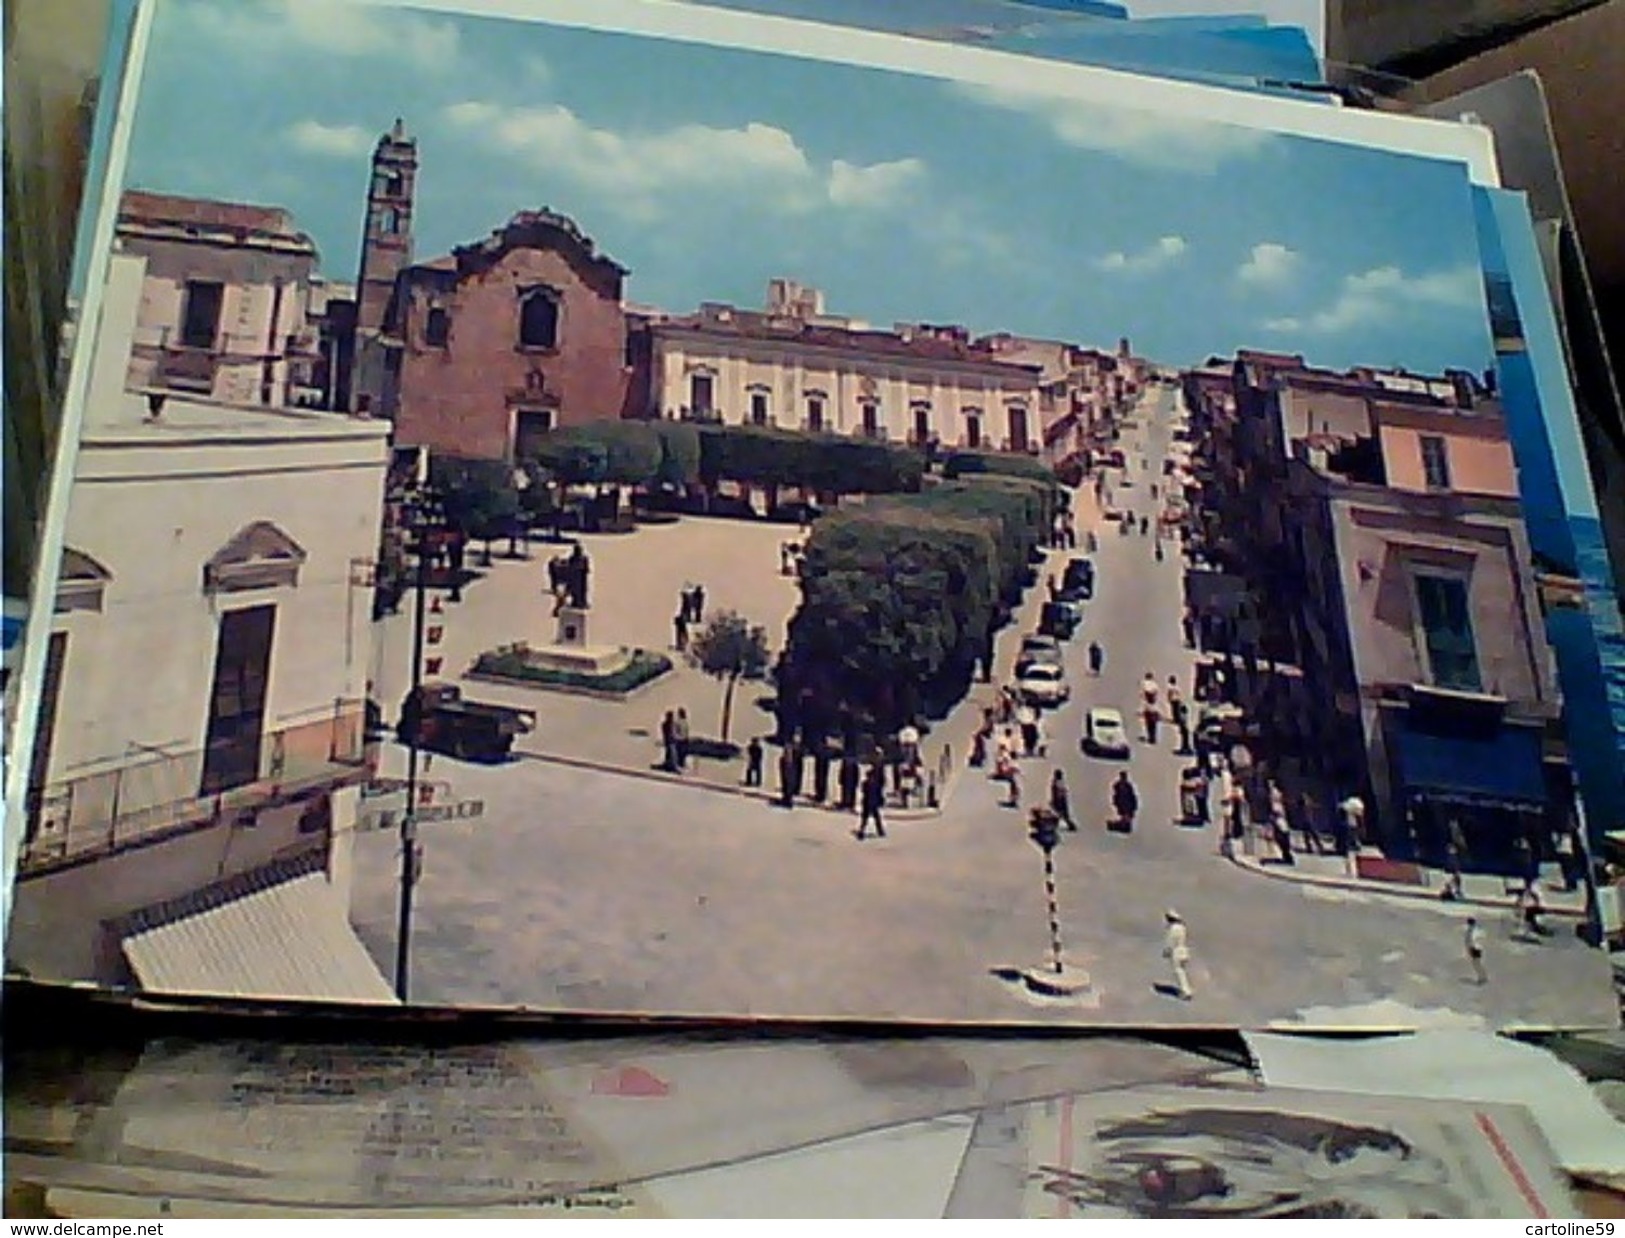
(386, 238)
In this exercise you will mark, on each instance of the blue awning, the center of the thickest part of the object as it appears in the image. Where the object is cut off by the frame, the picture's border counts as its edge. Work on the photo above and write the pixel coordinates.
(1503, 768)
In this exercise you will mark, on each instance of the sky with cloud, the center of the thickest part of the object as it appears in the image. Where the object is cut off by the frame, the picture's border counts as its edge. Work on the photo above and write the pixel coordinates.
(708, 171)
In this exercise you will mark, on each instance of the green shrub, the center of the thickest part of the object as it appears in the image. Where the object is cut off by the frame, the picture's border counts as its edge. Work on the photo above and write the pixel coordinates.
(511, 663)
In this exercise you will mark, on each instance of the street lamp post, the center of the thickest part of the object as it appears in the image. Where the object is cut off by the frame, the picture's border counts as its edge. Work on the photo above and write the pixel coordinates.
(411, 852)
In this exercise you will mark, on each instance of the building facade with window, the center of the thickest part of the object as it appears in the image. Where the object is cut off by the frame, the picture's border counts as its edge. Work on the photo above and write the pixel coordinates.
(503, 340)
(225, 310)
(1408, 586)
(203, 709)
(793, 367)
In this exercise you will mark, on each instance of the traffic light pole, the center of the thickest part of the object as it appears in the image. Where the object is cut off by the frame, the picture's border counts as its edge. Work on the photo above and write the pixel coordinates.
(1056, 979)
(1054, 910)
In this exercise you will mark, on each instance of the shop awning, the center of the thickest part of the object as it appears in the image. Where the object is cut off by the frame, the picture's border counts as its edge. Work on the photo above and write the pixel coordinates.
(289, 940)
(1501, 768)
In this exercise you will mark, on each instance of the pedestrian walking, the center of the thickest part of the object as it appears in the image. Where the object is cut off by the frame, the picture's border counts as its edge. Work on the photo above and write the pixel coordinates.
(787, 775)
(1187, 626)
(1097, 658)
(874, 796)
(679, 629)
(1473, 940)
(699, 604)
(850, 776)
(1013, 787)
(682, 735)
(1531, 906)
(821, 764)
(1027, 720)
(1125, 801)
(1351, 819)
(1060, 800)
(1182, 723)
(753, 762)
(1280, 823)
(1176, 949)
(1452, 889)
(1145, 525)
(1524, 857)
(1310, 810)
(668, 742)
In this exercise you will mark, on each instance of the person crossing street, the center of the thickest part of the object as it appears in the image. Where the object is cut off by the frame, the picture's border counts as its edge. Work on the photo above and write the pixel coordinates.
(1060, 800)
(1176, 949)
(1125, 801)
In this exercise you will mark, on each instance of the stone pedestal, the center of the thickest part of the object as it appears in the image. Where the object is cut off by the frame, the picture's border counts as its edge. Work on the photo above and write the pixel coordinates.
(572, 628)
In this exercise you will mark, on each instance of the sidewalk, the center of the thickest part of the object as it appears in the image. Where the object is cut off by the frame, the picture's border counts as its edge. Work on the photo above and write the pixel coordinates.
(1478, 890)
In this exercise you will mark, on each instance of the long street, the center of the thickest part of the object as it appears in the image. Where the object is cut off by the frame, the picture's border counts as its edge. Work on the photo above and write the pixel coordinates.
(602, 891)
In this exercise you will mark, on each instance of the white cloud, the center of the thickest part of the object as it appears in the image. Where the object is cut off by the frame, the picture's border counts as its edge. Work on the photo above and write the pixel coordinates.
(1269, 265)
(633, 171)
(879, 184)
(1153, 257)
(1388, 294)
(1150, 139)
(328, 27)
(339, 141)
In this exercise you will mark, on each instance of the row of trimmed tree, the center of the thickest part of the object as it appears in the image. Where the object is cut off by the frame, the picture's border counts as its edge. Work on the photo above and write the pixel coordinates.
(901, 600)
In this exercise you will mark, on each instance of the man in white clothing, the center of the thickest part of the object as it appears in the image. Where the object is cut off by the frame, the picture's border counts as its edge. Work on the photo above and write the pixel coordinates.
(1176, 949)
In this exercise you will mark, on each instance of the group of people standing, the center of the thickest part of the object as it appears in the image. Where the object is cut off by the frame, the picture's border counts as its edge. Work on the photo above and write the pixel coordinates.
(690, 611)
(861, 788)
(1153, 701)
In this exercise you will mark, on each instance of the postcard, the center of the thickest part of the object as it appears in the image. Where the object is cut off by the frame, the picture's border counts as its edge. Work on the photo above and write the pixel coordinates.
(1221, 1153)
(629, 1126)
(607, 511)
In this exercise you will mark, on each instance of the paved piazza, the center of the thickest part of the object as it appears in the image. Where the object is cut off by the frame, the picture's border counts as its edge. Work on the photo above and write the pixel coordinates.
(592, 889)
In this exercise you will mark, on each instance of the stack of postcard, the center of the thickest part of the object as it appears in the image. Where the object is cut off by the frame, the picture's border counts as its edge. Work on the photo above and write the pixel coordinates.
(637, 507)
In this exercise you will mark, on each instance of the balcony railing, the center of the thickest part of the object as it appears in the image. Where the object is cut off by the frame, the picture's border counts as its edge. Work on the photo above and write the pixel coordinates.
(188, 369)
(155, 794)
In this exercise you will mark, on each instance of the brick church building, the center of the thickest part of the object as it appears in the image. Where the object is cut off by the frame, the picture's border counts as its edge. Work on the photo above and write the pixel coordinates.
(476, 352)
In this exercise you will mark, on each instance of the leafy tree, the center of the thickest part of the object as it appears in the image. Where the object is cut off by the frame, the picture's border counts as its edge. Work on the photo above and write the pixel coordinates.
(679, 453)
(729, 648)
(478, 496)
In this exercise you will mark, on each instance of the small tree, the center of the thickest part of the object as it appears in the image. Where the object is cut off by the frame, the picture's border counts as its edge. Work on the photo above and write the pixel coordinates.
(730, 649)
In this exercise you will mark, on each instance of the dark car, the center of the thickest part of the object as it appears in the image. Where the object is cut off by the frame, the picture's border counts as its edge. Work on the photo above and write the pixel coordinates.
(436, 717)
(1078, 580)
(1060, 618)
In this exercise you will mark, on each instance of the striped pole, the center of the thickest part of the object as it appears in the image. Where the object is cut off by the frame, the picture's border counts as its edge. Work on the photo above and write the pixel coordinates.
(1054, 910)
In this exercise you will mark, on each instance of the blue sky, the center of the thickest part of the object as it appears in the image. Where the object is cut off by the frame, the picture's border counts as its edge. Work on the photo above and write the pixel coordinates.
(707, 171)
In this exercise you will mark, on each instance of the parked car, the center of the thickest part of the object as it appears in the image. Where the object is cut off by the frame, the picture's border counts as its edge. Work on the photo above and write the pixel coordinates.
(1039, 647)
(1079, 578)
(1117, 459)
(437, 717)
(1061, 618)
(1042, 684)
(1104, 734)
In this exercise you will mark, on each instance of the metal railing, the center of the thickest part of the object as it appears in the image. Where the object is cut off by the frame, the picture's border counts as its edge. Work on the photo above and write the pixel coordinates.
(155, 792)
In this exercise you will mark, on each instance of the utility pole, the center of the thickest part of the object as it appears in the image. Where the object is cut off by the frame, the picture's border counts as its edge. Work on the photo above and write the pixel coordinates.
(411, 852)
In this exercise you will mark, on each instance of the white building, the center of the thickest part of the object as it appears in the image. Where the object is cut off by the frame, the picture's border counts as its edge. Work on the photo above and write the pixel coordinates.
(795, 367)
(201, 736)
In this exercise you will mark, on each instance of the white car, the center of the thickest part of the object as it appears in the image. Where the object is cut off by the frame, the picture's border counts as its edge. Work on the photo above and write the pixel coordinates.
(1043, 684)
(1103, 733)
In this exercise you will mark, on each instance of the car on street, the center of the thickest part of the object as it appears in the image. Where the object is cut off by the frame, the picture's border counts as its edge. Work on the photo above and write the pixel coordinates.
(1078, 580)
(1104, 734)
(1039, 647)
(1043, 685)
(1116, 459)
(1061, 618)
